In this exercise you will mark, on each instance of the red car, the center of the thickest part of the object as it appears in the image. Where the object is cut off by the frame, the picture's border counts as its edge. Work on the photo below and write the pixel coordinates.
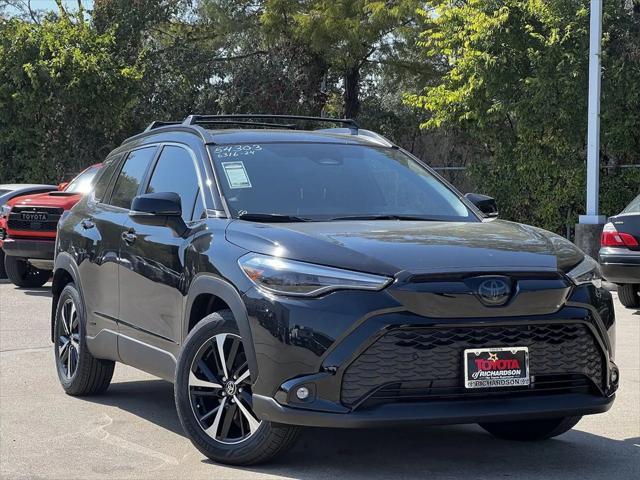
(31, 226)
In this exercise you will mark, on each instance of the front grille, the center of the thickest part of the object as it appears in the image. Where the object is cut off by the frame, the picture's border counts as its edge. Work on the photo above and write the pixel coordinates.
(15, 222)
(427, 362)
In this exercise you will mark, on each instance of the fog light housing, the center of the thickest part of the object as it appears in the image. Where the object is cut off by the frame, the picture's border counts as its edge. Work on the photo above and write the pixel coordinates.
(302, 393)
(615, 375)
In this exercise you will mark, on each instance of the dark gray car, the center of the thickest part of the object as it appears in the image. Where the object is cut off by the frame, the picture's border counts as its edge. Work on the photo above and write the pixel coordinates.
(620, 253)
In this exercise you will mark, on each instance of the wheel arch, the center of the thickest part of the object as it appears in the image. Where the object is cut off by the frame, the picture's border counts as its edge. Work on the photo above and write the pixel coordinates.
(222, 294)
(65, 271)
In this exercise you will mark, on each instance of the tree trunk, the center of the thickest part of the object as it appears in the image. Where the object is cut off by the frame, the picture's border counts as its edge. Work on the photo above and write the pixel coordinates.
(352, 93)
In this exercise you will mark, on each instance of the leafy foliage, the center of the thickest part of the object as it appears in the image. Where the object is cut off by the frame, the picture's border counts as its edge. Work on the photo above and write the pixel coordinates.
(65, 97)
(500, 85)
(515, 75)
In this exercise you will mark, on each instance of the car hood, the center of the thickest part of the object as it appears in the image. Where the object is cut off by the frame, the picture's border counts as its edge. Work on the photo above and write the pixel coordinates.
(390, 247)
(51, 199)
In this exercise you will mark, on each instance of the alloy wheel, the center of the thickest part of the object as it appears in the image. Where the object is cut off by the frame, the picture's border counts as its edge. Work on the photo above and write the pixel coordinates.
(220, 390)
(68, 344)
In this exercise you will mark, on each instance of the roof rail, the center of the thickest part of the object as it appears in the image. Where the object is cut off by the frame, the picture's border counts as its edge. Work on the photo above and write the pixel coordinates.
(158, 124)
(245, 119)
(360, 133)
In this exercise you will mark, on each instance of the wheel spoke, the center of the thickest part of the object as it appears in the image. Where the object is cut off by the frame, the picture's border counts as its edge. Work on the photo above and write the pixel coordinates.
(243, 377)
(207, 415)
(65, 322)
(228, 420)
(73, 317)
(220, 339)
(70, 353)
(233, 351)
(207, 371)
(75, 341)
(63, 349)
(215, 426)
(196, 382)
(254, 423)
(73, 353)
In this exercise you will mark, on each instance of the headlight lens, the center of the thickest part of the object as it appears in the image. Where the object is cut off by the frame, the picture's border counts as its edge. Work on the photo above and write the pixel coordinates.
(4, 210)
(289, 277)
(587, 271)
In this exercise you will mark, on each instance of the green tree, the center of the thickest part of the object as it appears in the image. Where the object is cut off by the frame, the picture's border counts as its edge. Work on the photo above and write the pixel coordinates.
(65, 98)
(514, 75)
(345, 35)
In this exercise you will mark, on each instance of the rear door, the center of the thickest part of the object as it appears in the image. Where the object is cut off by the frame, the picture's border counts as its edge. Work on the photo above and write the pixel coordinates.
(98, 241)
(152, 275)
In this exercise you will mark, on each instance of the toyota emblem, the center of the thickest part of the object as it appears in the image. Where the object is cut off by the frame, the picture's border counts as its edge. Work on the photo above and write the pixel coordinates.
(494, 291)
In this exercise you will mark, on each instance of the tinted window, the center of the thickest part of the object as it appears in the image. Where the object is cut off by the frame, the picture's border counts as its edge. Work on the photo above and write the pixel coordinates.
(83, 182)
(634, 206)
(175, 172)
(323, 181)
(103, 178)
(131, 176)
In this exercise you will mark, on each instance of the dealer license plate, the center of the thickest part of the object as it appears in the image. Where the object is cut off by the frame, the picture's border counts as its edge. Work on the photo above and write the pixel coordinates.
(496, 367)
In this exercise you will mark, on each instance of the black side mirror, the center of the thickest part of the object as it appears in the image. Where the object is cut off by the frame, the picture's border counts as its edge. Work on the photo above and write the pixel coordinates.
(160, 209)
(163, 204)
(484, 203)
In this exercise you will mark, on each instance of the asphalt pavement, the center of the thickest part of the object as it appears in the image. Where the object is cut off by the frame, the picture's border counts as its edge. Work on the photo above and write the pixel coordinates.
(133, 431)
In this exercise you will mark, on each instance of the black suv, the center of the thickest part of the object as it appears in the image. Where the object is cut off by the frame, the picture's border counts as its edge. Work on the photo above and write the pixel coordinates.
(282, 276)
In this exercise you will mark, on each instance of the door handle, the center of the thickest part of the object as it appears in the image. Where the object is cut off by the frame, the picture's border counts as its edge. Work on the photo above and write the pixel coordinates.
(87, 223)
(129, 236)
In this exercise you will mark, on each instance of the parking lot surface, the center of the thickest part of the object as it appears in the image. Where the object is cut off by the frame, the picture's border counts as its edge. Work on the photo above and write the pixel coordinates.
(133, 431)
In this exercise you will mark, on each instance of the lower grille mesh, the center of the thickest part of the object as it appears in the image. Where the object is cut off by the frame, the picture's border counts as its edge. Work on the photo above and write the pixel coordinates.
(434, 357)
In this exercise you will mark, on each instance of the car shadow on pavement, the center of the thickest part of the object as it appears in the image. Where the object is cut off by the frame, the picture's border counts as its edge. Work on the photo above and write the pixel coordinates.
(148, 399)
(38, 292)
(435, 452)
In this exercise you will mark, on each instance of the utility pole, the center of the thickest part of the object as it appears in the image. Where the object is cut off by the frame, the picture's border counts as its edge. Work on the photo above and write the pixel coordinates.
(590, 226)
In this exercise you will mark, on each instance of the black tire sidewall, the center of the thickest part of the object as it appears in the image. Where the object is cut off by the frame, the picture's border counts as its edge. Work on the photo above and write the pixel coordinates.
(3, 272)
(24, 275)
(628, 295)
(243, 453)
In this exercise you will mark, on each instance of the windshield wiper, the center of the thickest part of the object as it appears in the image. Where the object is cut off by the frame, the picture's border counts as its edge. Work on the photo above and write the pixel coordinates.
(386, 217)
(271, 217)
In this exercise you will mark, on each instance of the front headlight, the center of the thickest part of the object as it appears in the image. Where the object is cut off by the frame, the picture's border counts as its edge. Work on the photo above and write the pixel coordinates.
(587, 271)
(4, 211)
(289, 277)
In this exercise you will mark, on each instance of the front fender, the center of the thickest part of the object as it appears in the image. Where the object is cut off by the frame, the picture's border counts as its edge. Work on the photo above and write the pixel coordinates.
(212, 285)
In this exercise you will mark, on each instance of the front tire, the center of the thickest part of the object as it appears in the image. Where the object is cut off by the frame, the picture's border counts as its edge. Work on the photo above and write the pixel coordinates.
(3, 272)
(23, 274)
(531, 430)
(213, 397)
(80, 373)
(628, 295)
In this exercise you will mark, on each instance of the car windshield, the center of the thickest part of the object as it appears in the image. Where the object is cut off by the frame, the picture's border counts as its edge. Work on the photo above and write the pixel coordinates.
(319, 182)
(83, 182)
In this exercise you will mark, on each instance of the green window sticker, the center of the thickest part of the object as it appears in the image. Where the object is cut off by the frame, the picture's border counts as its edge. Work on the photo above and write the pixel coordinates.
(236, 175)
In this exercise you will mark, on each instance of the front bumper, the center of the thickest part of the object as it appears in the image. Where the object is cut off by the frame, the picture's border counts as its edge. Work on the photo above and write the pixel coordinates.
(316, 342)
(29, 248)
(620, 265)
(438, 412)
